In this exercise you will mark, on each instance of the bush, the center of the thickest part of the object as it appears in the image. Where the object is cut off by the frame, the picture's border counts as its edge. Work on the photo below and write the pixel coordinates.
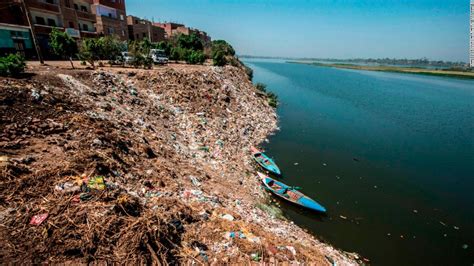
(165, 46)
(140, 51)
(272, 99)
(196, 57)
(223, 46)
(190, 42)
(249, 72)
(90, 51)
(12, 65)
(261, 87)
(110, 48)
(218, 59)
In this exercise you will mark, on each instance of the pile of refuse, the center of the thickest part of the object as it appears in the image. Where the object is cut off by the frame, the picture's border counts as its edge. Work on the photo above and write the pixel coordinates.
(140, 166)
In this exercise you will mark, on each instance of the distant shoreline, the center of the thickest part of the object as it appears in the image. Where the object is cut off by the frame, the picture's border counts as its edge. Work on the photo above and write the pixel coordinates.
(408, 70)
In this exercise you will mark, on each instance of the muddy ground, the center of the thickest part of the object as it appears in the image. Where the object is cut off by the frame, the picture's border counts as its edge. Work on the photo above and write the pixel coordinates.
(140, 166)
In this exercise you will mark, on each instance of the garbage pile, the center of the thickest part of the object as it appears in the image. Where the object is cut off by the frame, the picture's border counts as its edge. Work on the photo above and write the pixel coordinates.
(140, 166)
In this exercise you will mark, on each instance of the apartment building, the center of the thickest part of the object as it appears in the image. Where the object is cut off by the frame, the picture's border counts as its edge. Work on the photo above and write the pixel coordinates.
(72, 16)
(139, 29)
(471, 53)
(169, 27)
(111, 18)
(15, 34)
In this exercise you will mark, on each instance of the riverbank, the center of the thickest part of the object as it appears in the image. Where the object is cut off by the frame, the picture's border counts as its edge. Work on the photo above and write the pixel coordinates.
(140, 166)
(408, 70)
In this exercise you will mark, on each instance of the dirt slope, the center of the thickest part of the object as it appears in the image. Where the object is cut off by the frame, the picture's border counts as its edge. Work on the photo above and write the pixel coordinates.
(140, 166)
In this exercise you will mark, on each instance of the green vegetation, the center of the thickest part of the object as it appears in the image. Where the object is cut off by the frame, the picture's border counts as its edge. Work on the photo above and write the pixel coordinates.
(218, 59)
(90, 51)
(12, 65)
(140, 51)
(408, 70)
(222, 53)
(110, 48)
(272, 98)
(63, 45)
(196, 57)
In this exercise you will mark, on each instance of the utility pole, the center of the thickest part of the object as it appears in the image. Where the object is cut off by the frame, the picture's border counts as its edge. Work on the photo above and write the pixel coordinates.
(33, 35)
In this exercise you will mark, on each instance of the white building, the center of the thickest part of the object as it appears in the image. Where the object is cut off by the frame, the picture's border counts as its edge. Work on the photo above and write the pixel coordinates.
(471, 53)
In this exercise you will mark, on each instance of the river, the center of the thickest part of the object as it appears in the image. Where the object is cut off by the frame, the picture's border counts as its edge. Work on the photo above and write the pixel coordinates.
(391, 156)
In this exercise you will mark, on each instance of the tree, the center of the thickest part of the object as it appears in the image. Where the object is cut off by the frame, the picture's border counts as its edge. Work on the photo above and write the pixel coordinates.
(140, 51)
(218, 59)
(63, 44)
(196, 57)
(90, 51)
(165, 46)
(110, 48)
(191, 42)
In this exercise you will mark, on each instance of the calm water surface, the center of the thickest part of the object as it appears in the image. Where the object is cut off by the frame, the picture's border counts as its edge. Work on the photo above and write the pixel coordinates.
(394, 153)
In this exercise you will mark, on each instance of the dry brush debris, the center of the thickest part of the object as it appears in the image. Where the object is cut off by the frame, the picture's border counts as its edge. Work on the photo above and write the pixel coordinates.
(140, 167)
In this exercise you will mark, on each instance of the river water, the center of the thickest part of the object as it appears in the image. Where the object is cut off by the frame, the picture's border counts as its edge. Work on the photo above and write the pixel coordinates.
(392, 153)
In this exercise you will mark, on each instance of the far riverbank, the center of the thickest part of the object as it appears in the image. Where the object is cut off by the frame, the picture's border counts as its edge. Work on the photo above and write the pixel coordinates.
(409, 70)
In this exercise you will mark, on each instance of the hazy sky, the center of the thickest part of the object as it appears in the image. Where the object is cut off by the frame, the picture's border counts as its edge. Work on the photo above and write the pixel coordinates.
(437, 29)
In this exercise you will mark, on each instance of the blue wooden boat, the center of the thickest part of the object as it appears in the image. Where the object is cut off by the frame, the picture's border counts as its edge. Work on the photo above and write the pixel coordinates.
(265, 162)
(290, 194)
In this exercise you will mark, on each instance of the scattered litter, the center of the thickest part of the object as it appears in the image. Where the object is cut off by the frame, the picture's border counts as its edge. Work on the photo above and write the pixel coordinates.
(443, 224)
(375, 187)
(324, 164)
(415, 211)
(38, 219)
(227, 217)
(97, 182)
(343, 217)
(296, 164)
(255, 257)
(292, 250)
(456, 228)
(67, 187)
(195, 181)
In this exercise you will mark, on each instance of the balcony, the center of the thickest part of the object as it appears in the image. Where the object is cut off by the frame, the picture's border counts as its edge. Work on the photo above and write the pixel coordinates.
(43, 6)
(85, 15)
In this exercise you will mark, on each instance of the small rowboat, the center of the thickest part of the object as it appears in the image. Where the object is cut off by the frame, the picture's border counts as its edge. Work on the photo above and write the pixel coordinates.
(264, 161)
(290, 194)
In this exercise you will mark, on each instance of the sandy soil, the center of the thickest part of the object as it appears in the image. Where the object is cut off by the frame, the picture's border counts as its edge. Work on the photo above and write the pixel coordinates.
(140, 166)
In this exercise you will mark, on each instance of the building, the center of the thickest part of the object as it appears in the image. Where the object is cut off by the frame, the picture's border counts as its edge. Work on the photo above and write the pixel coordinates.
(15, 34)
(169, 27)
(471, 55)
(139, 29)
(72, 16)
(111, 18)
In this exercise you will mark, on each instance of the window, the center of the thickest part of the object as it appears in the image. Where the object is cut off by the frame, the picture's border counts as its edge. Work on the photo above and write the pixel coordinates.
(110, 15)
(121, 17)
(136, 21)
(85, 27)
(40, 20)
(51, 22)
(144, 35)
(76, 7)
(71, 24)
(50, 1)
(137, 36)
(68, 4)
(123, 33)
(83, 9)
(110, 30)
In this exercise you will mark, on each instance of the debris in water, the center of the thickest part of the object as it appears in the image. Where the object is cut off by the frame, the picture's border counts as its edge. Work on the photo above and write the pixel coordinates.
(465, 246)
(415, 211)
(296, 164)
(343, 217)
